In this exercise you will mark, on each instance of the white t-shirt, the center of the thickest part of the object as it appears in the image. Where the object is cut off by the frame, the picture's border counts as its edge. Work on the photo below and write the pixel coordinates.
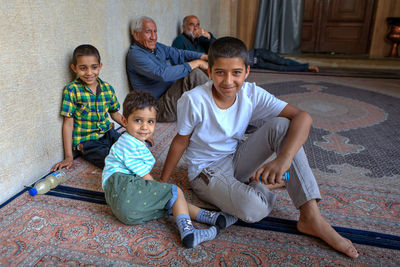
(217, 132)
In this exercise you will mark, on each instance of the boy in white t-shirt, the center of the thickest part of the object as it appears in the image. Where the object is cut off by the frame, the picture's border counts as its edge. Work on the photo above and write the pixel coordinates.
(223, 169)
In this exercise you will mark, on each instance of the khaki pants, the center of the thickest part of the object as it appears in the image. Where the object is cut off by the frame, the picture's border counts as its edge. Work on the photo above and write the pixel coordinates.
(223, 184)
(167, 102)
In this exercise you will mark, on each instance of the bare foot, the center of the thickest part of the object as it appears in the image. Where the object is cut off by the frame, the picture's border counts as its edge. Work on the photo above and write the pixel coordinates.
(312, 223)
(275, 186)
(313, 68)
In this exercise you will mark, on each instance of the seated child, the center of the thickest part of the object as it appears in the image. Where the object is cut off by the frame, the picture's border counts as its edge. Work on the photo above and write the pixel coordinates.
(212, 119)
(132, 193)
(86, 103)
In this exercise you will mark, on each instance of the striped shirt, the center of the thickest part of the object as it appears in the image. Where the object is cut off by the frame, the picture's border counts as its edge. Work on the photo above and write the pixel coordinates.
(130, 156)
(89, 110)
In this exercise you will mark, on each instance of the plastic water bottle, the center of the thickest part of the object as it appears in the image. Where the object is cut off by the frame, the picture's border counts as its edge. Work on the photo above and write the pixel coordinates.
(49, 182)
(285, 177)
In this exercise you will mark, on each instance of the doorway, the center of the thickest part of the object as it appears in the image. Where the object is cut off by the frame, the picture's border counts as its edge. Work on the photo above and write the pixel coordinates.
(339, 26)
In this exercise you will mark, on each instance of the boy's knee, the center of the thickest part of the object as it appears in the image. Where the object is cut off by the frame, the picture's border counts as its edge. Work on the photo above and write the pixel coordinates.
(180, 192)
(197, 71)
(199, 76)
(252, 212)
(280, 123)
(277, 128)
(257, 204)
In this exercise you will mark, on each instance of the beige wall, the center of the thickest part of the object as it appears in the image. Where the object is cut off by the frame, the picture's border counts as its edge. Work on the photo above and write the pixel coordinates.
(37, 39)
(247, 17)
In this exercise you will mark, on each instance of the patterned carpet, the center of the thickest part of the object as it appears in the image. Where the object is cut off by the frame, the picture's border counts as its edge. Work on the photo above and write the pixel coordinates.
(353, 149)
(344, 72)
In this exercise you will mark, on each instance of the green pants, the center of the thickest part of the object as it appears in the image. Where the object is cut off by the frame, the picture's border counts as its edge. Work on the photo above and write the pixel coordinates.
(134, 200)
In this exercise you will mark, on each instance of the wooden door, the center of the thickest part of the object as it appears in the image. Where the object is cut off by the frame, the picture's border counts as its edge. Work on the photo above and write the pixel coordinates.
(341, 26)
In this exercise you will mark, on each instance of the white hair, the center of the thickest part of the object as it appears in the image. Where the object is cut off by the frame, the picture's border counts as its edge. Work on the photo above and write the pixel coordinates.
(137, 23)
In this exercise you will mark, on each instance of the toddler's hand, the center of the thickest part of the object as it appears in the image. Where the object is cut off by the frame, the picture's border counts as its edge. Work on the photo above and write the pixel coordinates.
(150, 141)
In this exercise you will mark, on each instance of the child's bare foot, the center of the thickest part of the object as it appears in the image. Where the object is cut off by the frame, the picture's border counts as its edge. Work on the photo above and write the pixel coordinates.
(275, 186)
(312, 223)
(313, 68)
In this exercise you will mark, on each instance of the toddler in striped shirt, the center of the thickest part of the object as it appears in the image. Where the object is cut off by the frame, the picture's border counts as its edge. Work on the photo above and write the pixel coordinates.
(133, 194)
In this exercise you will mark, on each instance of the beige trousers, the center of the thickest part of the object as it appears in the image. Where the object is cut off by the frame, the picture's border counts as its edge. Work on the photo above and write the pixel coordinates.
(224, 183)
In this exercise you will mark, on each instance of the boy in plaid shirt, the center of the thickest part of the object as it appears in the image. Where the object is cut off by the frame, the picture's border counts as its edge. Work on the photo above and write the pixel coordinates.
(87, 101)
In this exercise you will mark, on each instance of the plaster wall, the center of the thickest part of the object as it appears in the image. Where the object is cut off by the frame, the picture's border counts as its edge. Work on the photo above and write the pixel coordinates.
(37, 39)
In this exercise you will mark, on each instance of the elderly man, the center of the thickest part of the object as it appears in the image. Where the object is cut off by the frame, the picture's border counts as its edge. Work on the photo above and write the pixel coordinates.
(193, 38)
(198, 39)
(164, 71)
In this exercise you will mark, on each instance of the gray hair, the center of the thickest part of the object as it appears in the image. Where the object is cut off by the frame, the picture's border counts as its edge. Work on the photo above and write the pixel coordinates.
(186, 18)
(137, 23)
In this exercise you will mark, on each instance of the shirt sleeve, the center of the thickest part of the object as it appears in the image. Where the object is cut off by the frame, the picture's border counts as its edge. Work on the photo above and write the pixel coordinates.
(179, 56)
(212, 39)
(114, 104)
(136, 159)
(160, 71)
(205, 43)
(188, 116)
(267, 105)
(68, 102)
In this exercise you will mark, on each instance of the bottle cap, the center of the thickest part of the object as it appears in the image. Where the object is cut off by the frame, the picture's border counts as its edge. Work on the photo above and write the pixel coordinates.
(33, 192)
(286, 176)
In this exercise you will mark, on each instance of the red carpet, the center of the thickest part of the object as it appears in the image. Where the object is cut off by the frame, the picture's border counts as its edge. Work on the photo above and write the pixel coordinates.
(354, 152)
(53, 231)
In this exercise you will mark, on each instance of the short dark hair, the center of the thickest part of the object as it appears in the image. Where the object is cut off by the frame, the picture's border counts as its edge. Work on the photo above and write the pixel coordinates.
(228, 47)
(138, 99)
(85, 50)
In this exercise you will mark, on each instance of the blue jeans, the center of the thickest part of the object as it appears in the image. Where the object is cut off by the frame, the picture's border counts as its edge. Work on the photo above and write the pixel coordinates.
(265, 59)
(96, 151)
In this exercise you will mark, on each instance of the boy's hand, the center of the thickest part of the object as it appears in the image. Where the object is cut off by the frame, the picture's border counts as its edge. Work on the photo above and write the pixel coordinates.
(66, 163)
(273, 171)
(150, 140)
(148, 177)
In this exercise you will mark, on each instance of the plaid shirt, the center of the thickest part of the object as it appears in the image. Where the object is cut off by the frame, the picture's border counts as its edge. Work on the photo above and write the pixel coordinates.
(90, 112)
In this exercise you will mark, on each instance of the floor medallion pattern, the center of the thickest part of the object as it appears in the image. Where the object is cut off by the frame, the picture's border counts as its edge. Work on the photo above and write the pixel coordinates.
(344, 120)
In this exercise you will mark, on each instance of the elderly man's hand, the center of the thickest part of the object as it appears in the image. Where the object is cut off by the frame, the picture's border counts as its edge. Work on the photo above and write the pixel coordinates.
(203, 65)
(204, 57)
(199, 63)
(201, 32)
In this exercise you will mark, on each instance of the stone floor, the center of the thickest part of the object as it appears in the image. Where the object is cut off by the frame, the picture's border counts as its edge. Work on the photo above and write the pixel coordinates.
(345, 61)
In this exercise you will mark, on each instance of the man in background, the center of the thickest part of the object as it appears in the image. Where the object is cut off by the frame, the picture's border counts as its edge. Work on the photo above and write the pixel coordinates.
(164, 71)
(193, 37)
(198, 39)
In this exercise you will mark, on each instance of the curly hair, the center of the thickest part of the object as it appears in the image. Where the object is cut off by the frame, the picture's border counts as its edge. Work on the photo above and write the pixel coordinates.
(138, 99)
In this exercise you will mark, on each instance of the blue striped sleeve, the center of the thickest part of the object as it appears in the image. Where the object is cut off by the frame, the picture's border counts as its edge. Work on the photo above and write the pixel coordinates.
(136, 156)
